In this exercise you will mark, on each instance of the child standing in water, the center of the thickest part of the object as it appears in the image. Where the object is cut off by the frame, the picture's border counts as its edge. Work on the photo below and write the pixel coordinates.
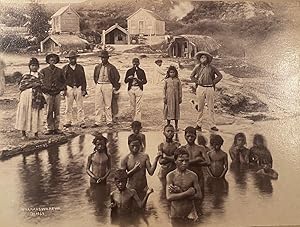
(123, 199)
(182, 188)
(172, 96)
(218, 158)
(136, 164)
(238, 152)
(259, 153)
(136, 127)
(167, 150)
(32, 101)
(197, 155)
(99, 162)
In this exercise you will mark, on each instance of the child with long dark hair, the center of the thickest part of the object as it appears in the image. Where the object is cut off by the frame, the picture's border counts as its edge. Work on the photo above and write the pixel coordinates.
(172, 96)
(259, 153)
(238, 152)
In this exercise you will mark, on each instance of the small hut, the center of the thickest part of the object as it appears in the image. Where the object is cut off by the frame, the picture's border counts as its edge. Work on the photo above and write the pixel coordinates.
(187, 46)
(63, 42)
(116, 35)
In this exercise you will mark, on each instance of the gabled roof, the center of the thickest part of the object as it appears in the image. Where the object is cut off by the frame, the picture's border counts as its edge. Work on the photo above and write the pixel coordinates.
(148, 11)
(62, 10)
(66, 40)
(116, 26)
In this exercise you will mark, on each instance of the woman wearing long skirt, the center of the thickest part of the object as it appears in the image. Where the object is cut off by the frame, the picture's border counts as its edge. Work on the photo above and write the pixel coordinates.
(32, 101)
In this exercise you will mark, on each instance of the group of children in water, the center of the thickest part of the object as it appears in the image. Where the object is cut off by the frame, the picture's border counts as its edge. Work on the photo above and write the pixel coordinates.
(182, 168)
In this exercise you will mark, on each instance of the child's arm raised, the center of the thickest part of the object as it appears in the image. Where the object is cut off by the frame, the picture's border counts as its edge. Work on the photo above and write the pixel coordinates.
(151, 168)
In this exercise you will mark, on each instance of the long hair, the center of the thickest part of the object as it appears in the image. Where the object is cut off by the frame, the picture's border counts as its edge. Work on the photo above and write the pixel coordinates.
(239, 135)
(173, 68)
(100, 137)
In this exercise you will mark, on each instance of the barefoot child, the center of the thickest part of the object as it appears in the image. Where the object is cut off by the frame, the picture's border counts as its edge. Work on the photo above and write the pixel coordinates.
(136, 127)
(197, 155)
(136, 163)
(32, 101)
(259, 153)
(99, 162)
(123, 200)
(218, 158)
(167, 149)
(182, 188)
(172, 96)
(238, 152)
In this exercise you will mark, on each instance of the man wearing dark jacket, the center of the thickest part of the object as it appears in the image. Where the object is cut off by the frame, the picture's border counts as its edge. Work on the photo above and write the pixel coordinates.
(106, 78)
(136, 78)
(75, 88)
(53, 82)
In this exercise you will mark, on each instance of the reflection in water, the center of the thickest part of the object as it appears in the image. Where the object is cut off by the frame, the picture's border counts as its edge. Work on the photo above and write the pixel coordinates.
(239, 172)
(57, 177)
(32, 178)
(98, 196)
(263, 183)
(217, 190)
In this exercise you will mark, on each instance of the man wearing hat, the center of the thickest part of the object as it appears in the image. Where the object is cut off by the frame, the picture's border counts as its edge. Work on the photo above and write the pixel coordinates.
(106, 78)
(136, 78)
(206, 77)
(53, 82)
(75, 88)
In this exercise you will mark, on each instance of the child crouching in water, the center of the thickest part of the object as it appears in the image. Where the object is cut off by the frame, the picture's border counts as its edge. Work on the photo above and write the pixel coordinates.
(172, 96)
(123, 199)
(238, 152)
(259, 153)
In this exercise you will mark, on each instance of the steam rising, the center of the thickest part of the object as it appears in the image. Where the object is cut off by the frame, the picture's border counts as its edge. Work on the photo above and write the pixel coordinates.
(181, 10)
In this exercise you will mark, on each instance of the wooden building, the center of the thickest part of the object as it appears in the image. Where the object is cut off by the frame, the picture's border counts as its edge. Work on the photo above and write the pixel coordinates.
(115, 35)
(63, 42)
(187, 46)
(65, 20)
(145, 22)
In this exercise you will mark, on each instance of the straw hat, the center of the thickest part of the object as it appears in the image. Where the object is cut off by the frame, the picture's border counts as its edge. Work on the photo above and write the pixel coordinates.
(208, 55)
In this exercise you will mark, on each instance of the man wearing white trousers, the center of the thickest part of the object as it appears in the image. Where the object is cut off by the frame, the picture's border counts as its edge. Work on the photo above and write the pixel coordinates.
(136, 79)
(106, 78)
(206, 77)
(75, 89)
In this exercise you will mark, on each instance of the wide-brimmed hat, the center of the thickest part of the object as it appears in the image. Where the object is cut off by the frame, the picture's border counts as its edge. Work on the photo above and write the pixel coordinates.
(33, 61)
(208, 55)
(104, 54)
(72, 54)
(50, 56)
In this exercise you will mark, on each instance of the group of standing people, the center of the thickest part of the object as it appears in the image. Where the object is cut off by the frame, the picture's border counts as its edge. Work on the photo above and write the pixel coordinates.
(70, 82)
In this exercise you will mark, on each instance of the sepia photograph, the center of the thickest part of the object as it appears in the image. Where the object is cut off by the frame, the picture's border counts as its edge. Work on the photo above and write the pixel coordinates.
(139, 113)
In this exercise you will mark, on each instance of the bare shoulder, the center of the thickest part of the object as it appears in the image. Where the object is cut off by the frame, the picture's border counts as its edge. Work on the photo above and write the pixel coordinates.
(224, 153)
(171, 174)
(191, 174)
